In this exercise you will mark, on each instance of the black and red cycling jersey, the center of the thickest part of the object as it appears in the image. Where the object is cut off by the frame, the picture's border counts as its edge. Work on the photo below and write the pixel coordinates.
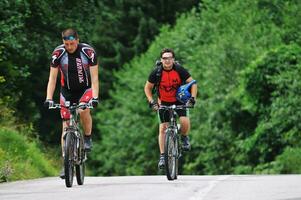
(74, 67)
(169, 82)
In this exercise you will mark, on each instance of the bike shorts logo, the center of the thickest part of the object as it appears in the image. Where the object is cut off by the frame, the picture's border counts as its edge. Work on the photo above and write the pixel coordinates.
(92, 56)
(54, 57)
(80, 70)
(89, 53)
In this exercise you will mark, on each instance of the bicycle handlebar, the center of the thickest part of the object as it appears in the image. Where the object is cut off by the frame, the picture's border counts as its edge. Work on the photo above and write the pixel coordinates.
(173, 107)
(76, 106)
(55, 106)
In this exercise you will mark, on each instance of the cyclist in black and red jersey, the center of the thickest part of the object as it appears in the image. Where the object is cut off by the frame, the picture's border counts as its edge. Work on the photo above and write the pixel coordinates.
(168, 77)
(78, 67)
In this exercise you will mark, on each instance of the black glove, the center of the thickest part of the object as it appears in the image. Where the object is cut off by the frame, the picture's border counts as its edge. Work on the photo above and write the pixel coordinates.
(94, 102)
(48, 103)
(190, 103)
(154, 105)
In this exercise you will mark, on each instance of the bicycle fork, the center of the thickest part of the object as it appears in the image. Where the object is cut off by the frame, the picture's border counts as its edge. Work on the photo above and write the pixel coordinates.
(177, 141)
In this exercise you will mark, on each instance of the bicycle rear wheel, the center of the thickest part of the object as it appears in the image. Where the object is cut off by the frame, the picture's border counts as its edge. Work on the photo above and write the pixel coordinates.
(80, 168)
(171, 154)
(69, 158)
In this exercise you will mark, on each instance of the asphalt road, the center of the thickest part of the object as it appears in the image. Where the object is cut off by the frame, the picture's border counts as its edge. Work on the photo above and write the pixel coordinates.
(270, 187)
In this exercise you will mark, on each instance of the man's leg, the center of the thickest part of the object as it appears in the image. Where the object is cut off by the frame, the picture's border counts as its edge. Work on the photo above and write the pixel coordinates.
(86, 121)
(64, 125)
(161, 137)
(85, 115)
(161, 140)
(185, 127)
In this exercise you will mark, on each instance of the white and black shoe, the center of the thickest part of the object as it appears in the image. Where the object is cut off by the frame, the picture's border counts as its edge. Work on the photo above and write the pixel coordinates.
(161, 163)
(185, 143)
(88, 143)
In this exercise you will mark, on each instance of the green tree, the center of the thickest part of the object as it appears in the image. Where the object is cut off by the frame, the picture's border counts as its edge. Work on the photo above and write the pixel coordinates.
(271, 86)
(216, 45)
(30, 30)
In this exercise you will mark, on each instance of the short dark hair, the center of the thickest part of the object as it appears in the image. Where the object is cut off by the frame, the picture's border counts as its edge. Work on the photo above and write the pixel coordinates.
(167, 50)
(69, 32)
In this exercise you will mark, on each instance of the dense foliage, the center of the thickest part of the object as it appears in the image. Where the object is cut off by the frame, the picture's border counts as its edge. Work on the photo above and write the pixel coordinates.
(21, 158)
(245, 57)
(30, 30)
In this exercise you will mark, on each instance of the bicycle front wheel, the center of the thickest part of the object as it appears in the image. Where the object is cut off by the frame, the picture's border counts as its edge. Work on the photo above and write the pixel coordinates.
(80, 168)
(69, 158)
(80, 173)
(171, 154)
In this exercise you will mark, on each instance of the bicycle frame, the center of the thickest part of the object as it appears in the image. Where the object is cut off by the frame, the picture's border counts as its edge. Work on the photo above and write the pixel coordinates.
(74, 153)
(73, 128)
(173, 114)
(172, 149)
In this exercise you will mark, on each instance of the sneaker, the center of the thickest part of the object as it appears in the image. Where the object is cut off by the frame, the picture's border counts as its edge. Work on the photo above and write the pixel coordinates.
(62, 173)
(161, 163)
(88, 143)
(185, 143)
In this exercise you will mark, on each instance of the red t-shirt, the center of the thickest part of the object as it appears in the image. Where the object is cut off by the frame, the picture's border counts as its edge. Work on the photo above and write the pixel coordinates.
(170, 82)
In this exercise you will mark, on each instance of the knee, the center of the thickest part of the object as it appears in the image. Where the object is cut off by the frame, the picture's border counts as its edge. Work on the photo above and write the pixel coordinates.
(185, 126)
(162, 129)
(85, 113)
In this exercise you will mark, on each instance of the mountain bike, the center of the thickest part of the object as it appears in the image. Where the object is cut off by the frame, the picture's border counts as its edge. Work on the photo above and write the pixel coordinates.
(172, 147)
(73, 145)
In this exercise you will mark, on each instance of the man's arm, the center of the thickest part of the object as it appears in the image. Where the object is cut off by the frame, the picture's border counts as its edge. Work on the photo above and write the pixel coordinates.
(94, 81)
(148, 91)
(194, 87)
(52, 82)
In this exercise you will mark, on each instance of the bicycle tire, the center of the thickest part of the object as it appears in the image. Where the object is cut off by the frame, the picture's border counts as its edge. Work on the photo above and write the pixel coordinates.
(170, 154)
(176, 141)
(80, 173)
(80, 168)
(69, 159)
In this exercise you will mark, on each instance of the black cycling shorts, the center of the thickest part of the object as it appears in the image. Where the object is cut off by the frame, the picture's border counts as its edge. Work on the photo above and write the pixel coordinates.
(164, 115)
(74, 97)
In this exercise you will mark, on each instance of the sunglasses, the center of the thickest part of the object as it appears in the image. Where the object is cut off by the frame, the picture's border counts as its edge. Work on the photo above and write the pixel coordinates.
(70, 37)
(167, 58)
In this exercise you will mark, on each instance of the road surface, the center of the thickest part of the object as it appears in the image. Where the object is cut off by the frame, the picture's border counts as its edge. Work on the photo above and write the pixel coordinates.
(228, 187)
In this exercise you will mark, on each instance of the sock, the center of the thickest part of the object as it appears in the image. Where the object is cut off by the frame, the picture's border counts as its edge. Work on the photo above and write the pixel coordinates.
(87, 136)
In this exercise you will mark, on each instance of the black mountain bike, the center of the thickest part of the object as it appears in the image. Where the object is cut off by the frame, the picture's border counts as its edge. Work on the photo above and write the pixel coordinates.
(172, 147)
(74, 153)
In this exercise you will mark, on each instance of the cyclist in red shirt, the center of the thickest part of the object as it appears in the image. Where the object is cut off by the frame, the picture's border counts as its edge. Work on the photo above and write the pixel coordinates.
(78, 67)
(171, 77)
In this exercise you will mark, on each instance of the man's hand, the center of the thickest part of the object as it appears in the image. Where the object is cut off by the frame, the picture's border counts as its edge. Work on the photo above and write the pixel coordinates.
(94, 101)
(48, 103)
(190, 103)
(154, 105)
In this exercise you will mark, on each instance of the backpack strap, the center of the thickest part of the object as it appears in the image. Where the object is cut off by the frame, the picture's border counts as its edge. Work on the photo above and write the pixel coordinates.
(158, 70)
(178, 67)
